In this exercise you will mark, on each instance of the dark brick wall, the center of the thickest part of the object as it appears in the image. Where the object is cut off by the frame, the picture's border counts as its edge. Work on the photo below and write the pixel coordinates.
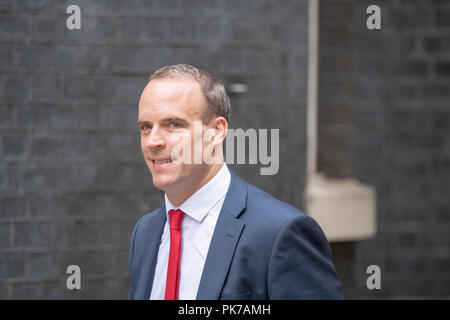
(72, 181)
(399, 144)
(335, 103)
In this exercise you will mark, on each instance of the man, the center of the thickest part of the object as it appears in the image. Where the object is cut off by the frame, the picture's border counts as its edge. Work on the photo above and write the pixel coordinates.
(215, 236)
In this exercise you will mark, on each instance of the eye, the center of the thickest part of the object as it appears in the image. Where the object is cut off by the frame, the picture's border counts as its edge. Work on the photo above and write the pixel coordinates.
(145, 127)
(175, 125)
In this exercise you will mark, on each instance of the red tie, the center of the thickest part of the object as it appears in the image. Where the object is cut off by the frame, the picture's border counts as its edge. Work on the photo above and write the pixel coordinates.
(173, 268)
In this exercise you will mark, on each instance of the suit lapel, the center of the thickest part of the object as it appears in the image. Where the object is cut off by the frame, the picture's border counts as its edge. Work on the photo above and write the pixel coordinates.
(155, 230)
(224, 241)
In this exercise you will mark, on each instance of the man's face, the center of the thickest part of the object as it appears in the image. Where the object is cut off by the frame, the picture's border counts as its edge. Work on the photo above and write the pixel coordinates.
(167, 111)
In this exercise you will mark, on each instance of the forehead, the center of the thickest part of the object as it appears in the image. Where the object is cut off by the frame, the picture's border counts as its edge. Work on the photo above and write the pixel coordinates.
(171, 97)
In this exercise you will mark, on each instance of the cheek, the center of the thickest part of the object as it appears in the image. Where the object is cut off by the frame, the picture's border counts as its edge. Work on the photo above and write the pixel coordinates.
(177, 137)
(143, 143)
(181, 141)
(198, 139)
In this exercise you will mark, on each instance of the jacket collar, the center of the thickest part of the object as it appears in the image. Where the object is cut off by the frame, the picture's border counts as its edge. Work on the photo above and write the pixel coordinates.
(224, 241)
(221, 250)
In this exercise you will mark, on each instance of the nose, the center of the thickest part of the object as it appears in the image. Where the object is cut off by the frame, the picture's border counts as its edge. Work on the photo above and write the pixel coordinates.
(156, 139)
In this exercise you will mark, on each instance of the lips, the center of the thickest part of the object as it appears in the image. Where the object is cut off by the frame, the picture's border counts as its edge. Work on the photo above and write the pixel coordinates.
(161, 161)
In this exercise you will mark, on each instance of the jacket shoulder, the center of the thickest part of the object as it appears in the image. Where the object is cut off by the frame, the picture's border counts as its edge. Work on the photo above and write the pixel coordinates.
(146, 219)
(269, 206)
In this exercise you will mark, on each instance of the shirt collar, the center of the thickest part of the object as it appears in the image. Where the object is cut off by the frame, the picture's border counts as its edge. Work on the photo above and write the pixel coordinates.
(204, 199)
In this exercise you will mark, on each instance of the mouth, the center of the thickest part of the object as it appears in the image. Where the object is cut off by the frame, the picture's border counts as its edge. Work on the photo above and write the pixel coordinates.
(161, 161)
(161, 164)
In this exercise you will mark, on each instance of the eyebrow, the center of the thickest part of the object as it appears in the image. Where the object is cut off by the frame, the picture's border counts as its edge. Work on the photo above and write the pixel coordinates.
(141, 122)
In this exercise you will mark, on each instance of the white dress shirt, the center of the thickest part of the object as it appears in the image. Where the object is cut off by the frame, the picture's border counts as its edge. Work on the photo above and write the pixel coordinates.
(201, 212)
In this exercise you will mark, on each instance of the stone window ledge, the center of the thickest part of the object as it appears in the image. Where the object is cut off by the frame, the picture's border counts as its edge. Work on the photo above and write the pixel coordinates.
(344, 208)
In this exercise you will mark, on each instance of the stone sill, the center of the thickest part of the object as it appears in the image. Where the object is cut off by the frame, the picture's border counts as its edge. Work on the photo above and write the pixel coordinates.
(344, 208)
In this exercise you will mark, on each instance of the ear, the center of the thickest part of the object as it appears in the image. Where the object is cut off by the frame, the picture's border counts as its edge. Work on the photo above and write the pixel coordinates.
(220, 126)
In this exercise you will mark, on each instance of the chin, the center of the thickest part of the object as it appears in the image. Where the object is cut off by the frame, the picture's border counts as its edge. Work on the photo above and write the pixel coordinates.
(163, 183)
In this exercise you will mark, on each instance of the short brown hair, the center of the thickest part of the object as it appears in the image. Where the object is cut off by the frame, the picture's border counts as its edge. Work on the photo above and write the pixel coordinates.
(213, 90)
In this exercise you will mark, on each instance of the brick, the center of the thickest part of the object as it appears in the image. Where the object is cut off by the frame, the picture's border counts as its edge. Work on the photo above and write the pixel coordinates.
(60, 117)
(89, 116)
(407, 19)
(7, 4)
(45, 115)
(46, 86)
(36, 176)
(91, 27)
(14, 86)
(268, 7)
(44, 265)
(413, 69)
(335, 37)
(153, 28)
(126, 175)
(32, 4)
(104, 289)
(91, 86)
(97, 263)
(49, 25)
(167, 6)
(122, 117)
(7, 175)
(337, 12)
(5, 291)
(443, 68)
(47, 55)
(244, 30)
(436, 92)
(178, 29)
(5, 235)
(13, 207)
(72, 205)
(86, 145)
(131, 27)
(335, 64)
(79, 233)
(13, 25)
(191, 6)
(443, 19)
(6, 55)
(37, 234)
(213, 29)
(97, 204)
(98, 57)
(12, 266)
(141, 5)
(55, 289)
(116, 233)
(130, 86)
(13, 145)
(437, 44)
(45, 147)
(126, 146)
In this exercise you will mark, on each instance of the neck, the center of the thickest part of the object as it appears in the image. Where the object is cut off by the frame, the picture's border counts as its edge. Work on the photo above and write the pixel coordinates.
(178, 197)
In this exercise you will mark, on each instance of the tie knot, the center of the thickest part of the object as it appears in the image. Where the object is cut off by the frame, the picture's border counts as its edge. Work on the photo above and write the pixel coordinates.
(175, 218)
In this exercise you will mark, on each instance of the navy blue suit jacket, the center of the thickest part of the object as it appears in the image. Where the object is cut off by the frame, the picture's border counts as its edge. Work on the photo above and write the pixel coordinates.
(261, 248)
